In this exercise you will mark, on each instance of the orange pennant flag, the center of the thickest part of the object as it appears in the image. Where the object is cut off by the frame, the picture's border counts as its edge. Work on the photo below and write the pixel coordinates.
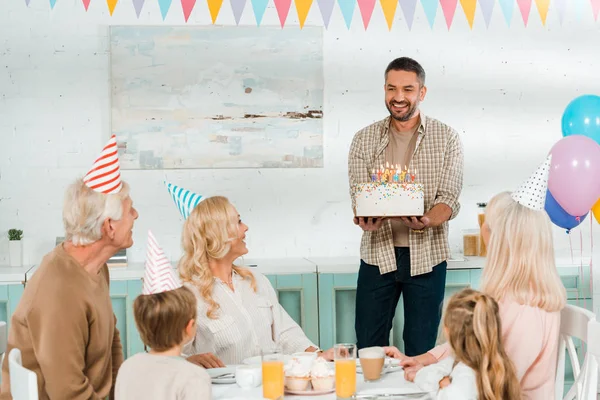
(389, 11)
(214, 6)
(111, 5)
(542, 6)
(469, 7)
(302, 8)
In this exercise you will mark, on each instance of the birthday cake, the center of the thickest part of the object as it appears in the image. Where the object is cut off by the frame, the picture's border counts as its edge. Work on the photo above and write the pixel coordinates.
(391, 193)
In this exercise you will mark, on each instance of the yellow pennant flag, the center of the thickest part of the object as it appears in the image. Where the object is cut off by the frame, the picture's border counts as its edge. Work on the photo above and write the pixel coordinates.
(389, 11)
(303, 7)
(542, 6)
(111, 5)
(469, 10)
(214, 6)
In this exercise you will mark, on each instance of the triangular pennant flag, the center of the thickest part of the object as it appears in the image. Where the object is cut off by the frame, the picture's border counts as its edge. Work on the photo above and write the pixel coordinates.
(188, 6)
(283, 8)
(185, 200)
(237, 6)
(214, 6)
(430, 8)
(487, 6)
(560, 6)
(164, 6)
(389, 11)
(366, 8)
(448, 7)
(507, 7)
(595, 8)
(408, 9)
(532, 193)
(138, 4)
(347, 8)
(52, 3)
(27, 3)
(105, 174)
(302, 8)
(525, 8)
(159, 275)
(86, 4)
(469, 7)
(326, 8)
(542, 6)
(259, 7)
(111, 5)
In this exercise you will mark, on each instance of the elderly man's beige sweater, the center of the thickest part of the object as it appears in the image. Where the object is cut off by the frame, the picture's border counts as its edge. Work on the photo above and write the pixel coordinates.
(65, 328)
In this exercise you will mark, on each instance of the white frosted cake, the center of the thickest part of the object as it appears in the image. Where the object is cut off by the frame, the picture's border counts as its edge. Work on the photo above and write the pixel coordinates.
(388, 199)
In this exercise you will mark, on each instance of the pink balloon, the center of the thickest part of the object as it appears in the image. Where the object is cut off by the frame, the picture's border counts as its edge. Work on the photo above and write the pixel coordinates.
(575, 174)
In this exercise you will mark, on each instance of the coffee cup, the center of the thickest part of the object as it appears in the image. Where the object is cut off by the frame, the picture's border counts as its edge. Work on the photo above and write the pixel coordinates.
(372, 360)
(305, 359)
(248, 376)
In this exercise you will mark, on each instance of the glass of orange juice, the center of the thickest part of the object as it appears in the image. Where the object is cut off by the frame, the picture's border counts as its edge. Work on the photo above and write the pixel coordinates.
(272, 376)
(345, 370)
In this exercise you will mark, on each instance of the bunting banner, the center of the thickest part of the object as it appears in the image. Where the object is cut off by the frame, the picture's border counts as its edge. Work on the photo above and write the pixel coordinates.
(553, 9)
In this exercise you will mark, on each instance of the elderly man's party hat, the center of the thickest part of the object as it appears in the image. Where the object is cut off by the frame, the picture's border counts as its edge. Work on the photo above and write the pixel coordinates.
(105, 174)
(159, 275)
(532, 193)
(184, 199)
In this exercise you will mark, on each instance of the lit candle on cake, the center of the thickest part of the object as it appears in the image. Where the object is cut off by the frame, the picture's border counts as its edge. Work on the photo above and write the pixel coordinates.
(379, 174)
(407, 178)
(396, 175)
(373, 176)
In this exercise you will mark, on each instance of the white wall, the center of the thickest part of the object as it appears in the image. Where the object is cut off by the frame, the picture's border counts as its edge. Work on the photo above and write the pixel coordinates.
(504, 89)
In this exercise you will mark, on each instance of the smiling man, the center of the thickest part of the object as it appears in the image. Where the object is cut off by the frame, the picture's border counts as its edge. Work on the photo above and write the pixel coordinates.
(406, 255)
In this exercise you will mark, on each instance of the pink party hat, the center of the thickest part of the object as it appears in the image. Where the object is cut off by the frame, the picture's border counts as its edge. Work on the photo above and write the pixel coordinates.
(105, 174)
(159, 276)
(532, 193)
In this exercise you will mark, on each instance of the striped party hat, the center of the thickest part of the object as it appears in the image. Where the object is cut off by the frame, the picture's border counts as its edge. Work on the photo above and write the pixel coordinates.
(105, 174)
(159, 276)
(532, 193)
(184, 199)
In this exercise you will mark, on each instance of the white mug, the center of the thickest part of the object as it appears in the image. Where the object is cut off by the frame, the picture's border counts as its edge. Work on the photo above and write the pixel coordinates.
(248, 376)
(305, 359)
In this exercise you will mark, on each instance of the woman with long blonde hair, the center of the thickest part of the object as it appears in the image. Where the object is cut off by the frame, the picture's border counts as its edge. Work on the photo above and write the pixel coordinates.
(239, 315)
(478, 367)
(521, 275)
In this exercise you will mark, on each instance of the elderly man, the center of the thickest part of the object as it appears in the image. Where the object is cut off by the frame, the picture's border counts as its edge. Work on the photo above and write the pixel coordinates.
(64, 324)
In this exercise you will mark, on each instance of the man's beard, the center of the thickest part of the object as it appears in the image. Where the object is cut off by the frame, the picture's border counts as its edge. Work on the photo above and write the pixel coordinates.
(405, 116)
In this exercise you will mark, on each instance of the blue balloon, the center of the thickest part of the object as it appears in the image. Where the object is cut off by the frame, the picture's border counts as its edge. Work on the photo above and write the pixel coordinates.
(582, 117)
(559, 216)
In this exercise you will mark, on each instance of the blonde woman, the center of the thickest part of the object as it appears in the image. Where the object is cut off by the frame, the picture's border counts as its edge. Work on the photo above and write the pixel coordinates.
(479, 368)
(239, 315)
(520, 274)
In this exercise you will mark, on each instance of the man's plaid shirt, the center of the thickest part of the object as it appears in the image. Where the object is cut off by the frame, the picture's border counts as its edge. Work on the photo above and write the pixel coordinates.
(439, 161)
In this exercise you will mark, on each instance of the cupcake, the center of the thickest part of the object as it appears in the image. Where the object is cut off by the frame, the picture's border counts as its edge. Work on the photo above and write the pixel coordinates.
(322, 376)
(297, 377)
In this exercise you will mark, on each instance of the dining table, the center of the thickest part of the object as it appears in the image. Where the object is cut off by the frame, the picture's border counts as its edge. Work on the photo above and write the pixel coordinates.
(390, 386)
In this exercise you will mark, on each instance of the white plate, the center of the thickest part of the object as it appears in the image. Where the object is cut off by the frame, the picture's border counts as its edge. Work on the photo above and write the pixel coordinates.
(310, 392)
(256, 360)
(392, 391)
(394, 365)
(220, 371)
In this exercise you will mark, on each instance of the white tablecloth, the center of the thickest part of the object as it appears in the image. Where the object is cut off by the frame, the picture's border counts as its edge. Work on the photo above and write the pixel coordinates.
(392, 380)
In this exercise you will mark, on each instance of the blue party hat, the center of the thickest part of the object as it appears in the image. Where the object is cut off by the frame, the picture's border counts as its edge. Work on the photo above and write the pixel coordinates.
(184, 199)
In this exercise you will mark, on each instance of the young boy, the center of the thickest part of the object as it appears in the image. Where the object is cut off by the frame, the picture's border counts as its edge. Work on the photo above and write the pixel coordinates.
(165, 316)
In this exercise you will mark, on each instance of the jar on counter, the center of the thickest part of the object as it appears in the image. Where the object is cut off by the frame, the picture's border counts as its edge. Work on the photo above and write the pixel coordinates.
(481, 219)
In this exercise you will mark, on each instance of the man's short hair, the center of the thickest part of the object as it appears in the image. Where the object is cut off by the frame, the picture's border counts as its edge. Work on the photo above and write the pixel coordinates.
(161, 318)
(407, 64)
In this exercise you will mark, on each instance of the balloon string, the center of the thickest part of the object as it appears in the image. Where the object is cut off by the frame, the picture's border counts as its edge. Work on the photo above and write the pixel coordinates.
(591, 258)
(581, 265)
(571, 247)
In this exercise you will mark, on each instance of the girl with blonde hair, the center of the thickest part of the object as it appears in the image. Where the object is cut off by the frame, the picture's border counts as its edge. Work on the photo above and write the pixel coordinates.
(520, 274)
(478, 367)
(239, 315)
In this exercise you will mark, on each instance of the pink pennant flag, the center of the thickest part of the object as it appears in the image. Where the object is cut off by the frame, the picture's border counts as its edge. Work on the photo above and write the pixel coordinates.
(159, 275)
(187, 6)
(283, 8)
(86, 4)
(366, 10)
(595, 8)
(525, 8)
(448, 7)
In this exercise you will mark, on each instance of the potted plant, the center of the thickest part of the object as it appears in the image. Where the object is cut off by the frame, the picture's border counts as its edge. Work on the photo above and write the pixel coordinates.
(15, 248)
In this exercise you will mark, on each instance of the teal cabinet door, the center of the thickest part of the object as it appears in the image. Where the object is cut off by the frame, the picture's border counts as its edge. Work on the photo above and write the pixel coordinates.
(122, 295)
(297, 294)
(9, 298)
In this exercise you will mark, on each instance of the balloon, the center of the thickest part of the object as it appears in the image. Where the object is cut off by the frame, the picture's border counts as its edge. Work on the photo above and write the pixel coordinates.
(559, 216)
(575, 174)
(582, 117)
(596, 211)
